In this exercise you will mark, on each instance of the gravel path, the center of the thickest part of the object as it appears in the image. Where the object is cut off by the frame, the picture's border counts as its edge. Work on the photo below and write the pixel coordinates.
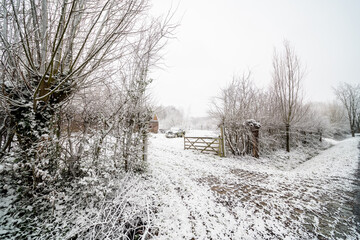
(203, 196)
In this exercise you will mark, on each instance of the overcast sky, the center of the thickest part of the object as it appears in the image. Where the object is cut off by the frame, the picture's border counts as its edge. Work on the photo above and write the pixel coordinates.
(220, 38)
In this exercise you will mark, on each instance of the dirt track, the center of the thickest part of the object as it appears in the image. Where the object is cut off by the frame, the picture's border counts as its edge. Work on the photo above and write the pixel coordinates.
(356, 205)
(206, 197)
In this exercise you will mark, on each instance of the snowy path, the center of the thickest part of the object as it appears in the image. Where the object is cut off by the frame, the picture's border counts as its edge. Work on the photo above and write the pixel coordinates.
(203, 196)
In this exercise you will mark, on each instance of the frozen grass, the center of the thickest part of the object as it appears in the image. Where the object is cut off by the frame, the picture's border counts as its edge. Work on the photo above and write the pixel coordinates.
(189, 195)
(203, 196)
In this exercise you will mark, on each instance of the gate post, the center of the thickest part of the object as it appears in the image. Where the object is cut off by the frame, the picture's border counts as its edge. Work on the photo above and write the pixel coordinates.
(219, 150)
(255, 133)
(254, 127)
(222, 142)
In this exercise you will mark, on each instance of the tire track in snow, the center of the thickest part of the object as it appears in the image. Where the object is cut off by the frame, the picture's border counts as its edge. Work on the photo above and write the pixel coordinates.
(356, 205)
(178, 171)
(217, 198)
(308, 206)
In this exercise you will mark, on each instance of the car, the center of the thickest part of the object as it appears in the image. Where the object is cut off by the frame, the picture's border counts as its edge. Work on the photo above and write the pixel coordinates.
(180, 133)
(175, 132)
(170, 134)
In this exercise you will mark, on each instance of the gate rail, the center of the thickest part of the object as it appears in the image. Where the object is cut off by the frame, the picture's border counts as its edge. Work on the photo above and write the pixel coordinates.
(205, 144)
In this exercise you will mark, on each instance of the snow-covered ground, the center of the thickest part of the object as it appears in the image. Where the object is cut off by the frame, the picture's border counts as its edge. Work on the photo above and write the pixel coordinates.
(203, 196)
(190, 195)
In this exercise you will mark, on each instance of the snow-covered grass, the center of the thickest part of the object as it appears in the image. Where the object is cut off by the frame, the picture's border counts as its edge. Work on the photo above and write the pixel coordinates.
(202, 196)
(331, 141)
(189, 195)
(92, 208)
(339, 161)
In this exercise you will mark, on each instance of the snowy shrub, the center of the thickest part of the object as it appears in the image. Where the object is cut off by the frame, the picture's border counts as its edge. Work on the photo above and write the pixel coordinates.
(74, 108)
(125, 215)
(95, 207)
(242, 100)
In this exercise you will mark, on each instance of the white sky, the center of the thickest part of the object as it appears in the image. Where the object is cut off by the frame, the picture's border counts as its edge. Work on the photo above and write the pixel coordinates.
(219, 38)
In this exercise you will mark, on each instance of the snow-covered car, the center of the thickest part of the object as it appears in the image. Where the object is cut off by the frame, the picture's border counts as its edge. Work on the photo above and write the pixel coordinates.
(170, 134)
(178, 132)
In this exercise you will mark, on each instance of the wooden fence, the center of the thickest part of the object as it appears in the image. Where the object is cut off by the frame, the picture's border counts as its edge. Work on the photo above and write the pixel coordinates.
(206, 144)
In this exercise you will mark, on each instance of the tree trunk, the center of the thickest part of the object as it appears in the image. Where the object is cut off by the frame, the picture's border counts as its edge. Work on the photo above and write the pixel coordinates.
(33, 131)
(145, 146)
(287, 132)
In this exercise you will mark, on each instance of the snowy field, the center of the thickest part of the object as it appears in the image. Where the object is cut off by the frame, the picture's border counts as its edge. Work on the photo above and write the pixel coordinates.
(189, 195)
(203, 196)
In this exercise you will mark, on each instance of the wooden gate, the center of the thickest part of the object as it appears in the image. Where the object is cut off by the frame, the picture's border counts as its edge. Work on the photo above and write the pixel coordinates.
(205, 144)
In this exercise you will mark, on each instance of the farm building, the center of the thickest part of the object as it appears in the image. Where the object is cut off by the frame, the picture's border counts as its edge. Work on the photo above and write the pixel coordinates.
(154, 125)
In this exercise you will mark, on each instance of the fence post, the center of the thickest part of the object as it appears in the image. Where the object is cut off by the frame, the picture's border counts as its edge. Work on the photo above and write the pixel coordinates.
(184, 143)
(145, 146)
(222, 141)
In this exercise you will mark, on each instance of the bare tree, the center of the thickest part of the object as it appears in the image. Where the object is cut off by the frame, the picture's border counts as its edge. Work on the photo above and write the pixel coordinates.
(336, 114)
(287, 77)
(73, 99)
(236, 104)
(170, 116)
(51, 49)
(123, 110)
(349, 95)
